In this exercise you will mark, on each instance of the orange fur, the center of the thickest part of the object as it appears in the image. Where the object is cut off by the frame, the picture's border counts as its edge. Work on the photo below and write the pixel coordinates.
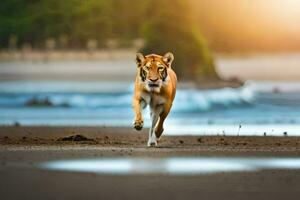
(155, 85)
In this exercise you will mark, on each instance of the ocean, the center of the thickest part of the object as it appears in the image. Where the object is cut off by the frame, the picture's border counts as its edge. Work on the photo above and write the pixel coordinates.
(257, 108)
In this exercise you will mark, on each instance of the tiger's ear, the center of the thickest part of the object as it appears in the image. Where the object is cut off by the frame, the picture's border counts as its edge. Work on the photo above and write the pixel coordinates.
(168, 58)
(139, 59)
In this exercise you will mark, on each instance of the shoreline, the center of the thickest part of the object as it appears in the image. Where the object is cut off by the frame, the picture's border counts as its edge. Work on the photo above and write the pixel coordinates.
(108, 138)
(235, 68)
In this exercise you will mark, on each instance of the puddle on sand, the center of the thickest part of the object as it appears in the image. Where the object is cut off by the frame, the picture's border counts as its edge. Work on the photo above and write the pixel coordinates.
(172, 166)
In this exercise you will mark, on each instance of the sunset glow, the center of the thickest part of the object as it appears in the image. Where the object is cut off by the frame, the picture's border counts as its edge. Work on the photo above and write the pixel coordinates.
(248, 23)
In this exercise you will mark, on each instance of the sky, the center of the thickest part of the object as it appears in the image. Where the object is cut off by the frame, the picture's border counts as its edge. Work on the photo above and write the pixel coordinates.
(250, 21)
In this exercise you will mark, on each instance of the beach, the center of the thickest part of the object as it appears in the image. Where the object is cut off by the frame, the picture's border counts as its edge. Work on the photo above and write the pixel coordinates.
(127, 137)
(74, 77)
(23, 149)
(69, 135)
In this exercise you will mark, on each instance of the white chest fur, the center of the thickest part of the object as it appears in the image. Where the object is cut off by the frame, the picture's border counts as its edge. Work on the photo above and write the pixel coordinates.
(153, 99)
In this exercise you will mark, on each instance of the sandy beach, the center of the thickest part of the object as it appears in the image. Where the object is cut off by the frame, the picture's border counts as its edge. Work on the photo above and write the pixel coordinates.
(104, 65)
(22, 149)
(123, 137)
(75, 75)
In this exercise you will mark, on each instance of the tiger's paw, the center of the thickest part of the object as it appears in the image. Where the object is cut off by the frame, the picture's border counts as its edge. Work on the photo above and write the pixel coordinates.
(138, 125)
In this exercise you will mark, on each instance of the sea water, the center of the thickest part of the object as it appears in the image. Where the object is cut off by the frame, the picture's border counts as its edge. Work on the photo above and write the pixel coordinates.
(257, 108)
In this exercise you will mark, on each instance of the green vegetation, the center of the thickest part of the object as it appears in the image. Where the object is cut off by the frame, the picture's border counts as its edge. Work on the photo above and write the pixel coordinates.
(165, 25)
(70, 22)
(167, 30)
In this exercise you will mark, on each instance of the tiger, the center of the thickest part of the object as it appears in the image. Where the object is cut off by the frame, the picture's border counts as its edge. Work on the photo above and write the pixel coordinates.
(155, 85)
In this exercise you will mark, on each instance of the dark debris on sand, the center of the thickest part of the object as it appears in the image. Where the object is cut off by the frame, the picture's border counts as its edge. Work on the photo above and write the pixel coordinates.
(76, 138)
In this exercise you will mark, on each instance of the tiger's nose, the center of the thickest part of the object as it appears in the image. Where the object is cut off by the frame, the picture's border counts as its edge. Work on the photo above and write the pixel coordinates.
(153, 79)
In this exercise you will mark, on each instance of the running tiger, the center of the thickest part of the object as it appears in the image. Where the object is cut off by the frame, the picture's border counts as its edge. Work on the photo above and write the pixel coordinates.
(155, 85)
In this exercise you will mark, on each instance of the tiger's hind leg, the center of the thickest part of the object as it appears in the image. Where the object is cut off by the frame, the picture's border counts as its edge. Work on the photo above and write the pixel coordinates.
(155, 113)
(159, 129)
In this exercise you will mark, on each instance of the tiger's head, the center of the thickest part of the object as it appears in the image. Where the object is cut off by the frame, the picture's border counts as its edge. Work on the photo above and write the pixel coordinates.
(152, 69)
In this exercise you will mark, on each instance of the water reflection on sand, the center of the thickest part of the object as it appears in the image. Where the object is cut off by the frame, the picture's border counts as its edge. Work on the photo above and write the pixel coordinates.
(172, 165)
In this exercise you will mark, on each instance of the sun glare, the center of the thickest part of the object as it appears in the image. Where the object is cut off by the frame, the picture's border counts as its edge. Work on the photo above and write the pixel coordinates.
(286, 12)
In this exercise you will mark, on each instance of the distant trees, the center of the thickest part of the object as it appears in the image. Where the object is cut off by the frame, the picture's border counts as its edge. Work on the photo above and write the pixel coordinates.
(72, 23)
(169, 27)
(165, 25)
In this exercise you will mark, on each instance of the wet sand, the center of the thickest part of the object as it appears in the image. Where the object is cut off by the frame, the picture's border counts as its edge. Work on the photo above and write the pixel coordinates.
(123, 137)
(23, 148)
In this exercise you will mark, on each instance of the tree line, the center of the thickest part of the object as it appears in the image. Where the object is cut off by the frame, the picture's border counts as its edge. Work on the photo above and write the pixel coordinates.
(164, 25)
(72, 22)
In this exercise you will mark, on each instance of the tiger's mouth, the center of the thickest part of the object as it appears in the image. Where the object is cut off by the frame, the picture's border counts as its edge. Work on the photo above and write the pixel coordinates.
(153, 85)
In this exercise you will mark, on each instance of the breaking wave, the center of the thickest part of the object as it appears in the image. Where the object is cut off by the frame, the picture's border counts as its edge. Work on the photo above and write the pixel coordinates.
(190, 100)
(119, 95)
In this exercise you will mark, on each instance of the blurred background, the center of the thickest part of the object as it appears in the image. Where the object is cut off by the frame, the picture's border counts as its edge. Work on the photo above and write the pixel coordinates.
(71, 63)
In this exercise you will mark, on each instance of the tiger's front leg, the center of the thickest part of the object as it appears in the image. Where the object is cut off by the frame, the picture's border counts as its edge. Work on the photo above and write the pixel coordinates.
(138, 122)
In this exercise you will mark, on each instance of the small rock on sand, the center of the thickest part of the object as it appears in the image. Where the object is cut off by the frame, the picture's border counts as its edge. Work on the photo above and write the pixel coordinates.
(75, 138)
